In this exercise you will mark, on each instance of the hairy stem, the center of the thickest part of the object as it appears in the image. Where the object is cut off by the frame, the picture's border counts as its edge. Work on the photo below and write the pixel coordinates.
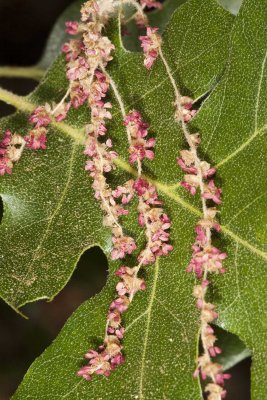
(193, 149)
(35, 73)
(118, 98)
(61, 102)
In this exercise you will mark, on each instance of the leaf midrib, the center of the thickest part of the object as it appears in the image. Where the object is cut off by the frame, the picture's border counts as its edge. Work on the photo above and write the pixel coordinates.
(147, 329)
(78, 135)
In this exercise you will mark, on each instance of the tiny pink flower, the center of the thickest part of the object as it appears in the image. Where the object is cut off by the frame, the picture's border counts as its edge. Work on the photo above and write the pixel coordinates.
(117, 360)
(184, 109)
(85, 373)
(72, 49)
(212, 192)
(36, 141)
(151, 4)
(151, 45)
(190, 188)
(62, 112)
(122, 246)
(40, 117)
(78, 70)
(5, 166)
(220, 378)
(78, 95)
(182, 164)
(72, 27)
(214, 351)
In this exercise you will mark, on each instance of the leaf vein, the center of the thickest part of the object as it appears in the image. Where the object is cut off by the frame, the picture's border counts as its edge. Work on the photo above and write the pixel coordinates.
(50, 219)
(146, 337)
(77, 135)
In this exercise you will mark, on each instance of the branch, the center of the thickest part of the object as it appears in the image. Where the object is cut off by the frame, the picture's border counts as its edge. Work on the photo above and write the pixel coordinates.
(35, 73)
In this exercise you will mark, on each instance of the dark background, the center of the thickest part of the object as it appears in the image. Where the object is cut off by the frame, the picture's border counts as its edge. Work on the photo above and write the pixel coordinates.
(24, 28)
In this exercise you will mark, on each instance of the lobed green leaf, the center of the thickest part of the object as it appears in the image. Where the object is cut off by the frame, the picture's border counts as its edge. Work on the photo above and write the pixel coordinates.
(51, 216)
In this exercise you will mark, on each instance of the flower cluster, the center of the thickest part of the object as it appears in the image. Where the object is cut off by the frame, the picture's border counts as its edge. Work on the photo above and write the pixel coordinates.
(87, 51)
(109, 355)
(41, 117)
(196, 173)
(101, 162)
(151, 217)
(205, 366)
(140, 147)
(86, 55)
(11, 147)
(150, 43)
(86, 58)
(184, 109)
(206, 258)
(93, 86)
(36, 137)
(156, 222)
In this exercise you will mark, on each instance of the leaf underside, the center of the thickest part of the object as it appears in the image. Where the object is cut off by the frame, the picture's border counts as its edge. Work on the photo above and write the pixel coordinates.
(51, 217)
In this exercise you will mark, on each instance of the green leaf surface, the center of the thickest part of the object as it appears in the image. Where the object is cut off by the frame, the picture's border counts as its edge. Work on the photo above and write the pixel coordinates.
(162, 323)
(233, 349)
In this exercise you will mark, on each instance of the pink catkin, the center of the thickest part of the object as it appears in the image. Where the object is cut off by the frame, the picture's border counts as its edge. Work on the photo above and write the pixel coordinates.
(157, 225)
(151, 215)
(151, 45)
(206, 258)
(100, 161)
(140, 147)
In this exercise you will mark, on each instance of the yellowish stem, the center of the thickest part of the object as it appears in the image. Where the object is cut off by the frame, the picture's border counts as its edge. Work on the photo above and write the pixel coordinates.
(35, 73)
(23, 104)
(19, 102)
